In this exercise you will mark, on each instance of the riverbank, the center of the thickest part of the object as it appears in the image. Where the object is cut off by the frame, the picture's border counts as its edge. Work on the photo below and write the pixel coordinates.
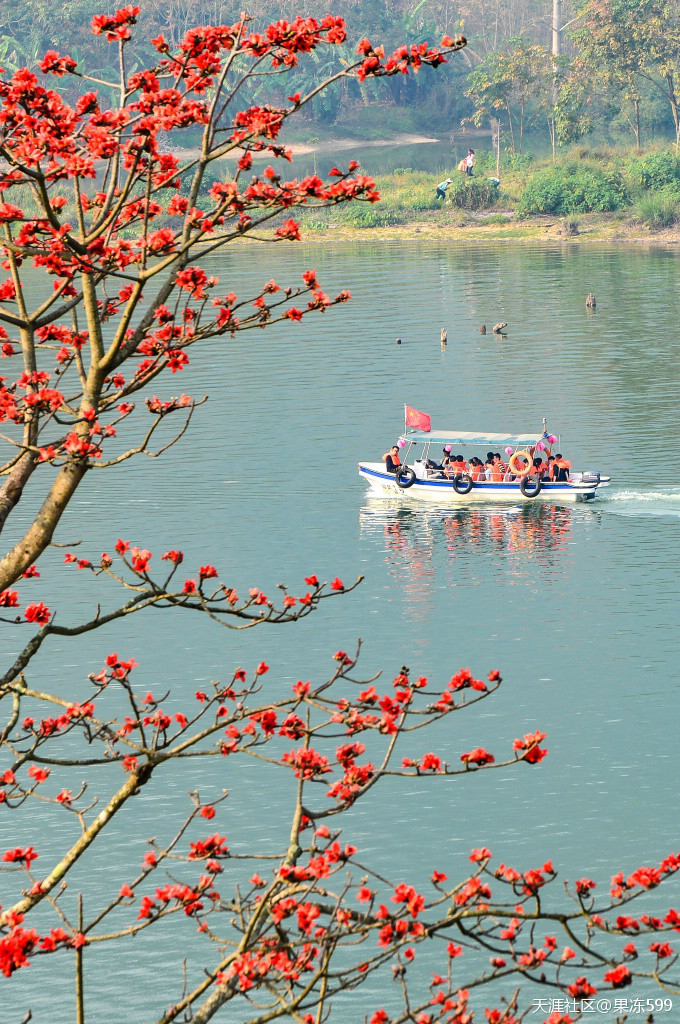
(451, 225)
(599, 196)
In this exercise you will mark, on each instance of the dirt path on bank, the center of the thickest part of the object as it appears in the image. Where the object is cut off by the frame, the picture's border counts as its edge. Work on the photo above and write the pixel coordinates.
(335, 145)
(324, 146)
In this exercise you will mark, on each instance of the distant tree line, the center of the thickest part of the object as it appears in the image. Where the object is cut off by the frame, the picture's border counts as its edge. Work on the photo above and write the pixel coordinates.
(615, 67)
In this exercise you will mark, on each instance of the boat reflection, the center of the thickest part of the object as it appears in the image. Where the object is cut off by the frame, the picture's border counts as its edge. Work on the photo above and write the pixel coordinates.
(427, 548)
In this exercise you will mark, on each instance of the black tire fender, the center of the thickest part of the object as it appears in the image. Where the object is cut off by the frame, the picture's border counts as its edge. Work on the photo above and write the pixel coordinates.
(405, 477)
(462, 483)
(530, 486)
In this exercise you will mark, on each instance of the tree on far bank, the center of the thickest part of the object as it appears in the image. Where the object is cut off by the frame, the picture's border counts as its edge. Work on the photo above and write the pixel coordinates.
(623, 44)
(513, 85)
(117, 224)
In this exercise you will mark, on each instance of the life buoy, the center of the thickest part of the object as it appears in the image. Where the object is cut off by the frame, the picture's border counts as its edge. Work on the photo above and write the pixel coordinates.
(462, 483)
(522, 471)
(405, 477)
(530, 486)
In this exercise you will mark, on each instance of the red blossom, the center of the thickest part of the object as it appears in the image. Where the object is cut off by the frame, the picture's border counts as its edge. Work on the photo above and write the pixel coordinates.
(619, 977)
(173, 556)
(53, 63)
(581, 989)
(37, 612)
(20, 855)
(478, 756)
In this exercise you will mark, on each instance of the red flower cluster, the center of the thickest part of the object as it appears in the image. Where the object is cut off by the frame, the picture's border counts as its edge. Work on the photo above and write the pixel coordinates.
(16, 946)
(306, 762)
(20, 855)
(115, 26)
(528, 747)
(478, 756)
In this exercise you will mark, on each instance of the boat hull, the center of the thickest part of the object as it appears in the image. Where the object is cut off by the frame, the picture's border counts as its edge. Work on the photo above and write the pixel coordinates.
(441, 491)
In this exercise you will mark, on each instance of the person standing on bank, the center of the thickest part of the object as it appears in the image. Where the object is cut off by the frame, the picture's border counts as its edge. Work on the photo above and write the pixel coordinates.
(469, 162)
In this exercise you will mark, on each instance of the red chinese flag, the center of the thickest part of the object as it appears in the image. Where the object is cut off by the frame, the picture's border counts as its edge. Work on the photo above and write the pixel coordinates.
(418, 420)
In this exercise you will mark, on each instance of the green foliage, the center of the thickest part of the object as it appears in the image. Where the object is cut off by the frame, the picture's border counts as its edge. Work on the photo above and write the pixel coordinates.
(658, 210)
(517, 161)
(497, 218)
(574, 187)
(471, 193)
(654, 170)
(365, 215)
(402, 195)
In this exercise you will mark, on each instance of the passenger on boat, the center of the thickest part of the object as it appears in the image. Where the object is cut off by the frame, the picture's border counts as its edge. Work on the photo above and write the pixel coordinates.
(550, 468)
(537, 468)
(455, 466)
(476, 469)
(494, 471)
(497, 461)
(391, 459)
(562, 467)
(521, 469)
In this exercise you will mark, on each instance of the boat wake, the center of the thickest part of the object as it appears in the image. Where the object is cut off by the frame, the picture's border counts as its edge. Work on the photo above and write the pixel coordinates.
(661, 501)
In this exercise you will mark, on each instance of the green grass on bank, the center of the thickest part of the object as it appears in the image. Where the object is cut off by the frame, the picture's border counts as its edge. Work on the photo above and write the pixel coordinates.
(644, 186)
(638, 189)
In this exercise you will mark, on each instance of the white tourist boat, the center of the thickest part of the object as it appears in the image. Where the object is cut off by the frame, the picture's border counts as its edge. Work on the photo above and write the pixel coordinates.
(424, 475)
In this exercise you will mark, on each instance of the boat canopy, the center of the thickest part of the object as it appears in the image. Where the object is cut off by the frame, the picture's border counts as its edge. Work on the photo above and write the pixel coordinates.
(463, 437)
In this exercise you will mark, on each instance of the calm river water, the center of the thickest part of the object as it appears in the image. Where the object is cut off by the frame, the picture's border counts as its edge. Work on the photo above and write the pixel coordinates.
(577, 605)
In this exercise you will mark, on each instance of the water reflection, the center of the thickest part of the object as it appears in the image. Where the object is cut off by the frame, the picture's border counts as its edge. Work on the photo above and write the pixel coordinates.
(466, 544)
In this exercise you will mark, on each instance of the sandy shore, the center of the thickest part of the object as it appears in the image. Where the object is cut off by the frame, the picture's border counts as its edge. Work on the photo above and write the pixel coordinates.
(609, 229)
(323, 146)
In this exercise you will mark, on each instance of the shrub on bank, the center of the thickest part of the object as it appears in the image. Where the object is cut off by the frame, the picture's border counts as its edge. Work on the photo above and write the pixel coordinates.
(654, 170)
(471, 193)
(575, 187)
(658, 209)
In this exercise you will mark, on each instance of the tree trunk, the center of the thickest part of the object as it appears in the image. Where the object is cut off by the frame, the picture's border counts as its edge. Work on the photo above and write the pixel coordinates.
(41, 530)
(13, 488)
(496, 141)
(512, 130)
(673, 99)
(552, 129)
(557, 28)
